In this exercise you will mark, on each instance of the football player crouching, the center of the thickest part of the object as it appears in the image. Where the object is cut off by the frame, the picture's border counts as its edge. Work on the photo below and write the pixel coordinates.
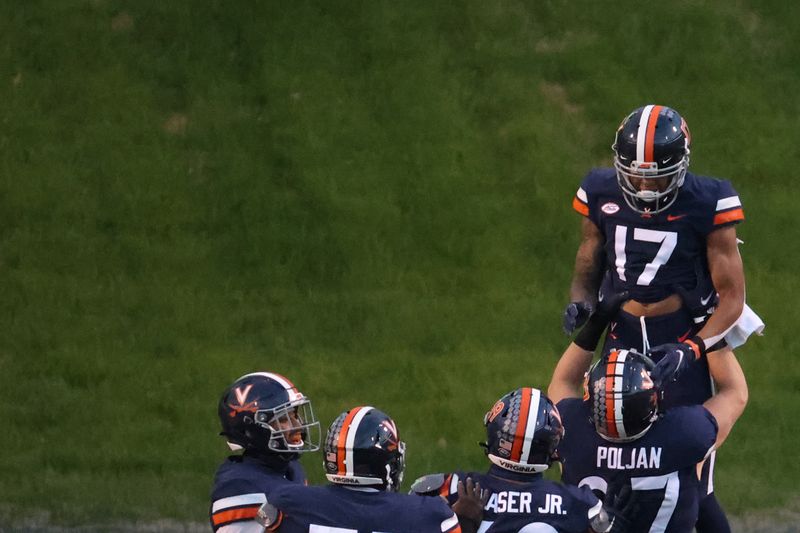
(364, 462)
(523, 430)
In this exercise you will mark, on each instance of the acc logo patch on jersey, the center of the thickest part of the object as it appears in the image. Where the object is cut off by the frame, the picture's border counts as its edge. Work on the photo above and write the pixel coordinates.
(609, 208)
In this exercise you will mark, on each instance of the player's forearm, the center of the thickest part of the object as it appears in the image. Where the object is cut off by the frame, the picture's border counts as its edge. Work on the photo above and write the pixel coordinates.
(583, 288)
(729, 309)
(568, 375)
(727, 273)
(587, 274)
(728, 404)
(589, 264)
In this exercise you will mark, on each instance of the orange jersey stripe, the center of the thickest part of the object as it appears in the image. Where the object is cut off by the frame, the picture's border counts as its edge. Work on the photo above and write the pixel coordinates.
(342, 444)
(444, 491)
(650, 139)
(519, 436)
(243, 513)
(729, 216)
(580, 207)
(609, 392)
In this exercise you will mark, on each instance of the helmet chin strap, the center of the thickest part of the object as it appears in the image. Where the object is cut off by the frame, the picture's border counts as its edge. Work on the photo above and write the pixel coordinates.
(273, 460)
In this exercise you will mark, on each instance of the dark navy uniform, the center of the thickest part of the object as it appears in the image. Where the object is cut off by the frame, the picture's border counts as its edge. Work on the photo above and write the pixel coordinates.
(661, 465)
(358, 510)
(518, 500)
(242, 484)
(648, 255)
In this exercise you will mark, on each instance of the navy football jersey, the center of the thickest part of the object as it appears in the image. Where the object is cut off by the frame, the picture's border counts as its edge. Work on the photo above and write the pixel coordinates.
(649, 254)
(519, 500)
(626, 331)
(661, 466)
(242, 484)
(338, 509)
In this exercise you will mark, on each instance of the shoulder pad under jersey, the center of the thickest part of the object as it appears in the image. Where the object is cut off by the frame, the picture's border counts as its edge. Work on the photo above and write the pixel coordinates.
(429, 484)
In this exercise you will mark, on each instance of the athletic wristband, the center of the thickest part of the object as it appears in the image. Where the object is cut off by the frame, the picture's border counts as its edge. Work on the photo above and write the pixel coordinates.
(588, 337)
(698, 345)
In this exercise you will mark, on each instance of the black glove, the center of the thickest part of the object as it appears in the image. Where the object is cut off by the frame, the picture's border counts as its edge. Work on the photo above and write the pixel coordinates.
(674, 359)
(607, 307)
(621, 505)
(575, 315)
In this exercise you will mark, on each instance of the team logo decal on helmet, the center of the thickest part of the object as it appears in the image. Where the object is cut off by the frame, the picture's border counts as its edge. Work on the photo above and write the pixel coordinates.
(265, 412)
(523, 430)
(363, 447)
(624, 399)
(651, 145)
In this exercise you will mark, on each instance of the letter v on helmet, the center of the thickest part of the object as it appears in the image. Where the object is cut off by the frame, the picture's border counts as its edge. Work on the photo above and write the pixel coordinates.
(241, 395)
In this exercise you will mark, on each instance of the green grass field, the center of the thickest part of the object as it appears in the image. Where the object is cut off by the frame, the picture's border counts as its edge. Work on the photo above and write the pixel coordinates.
(371, 198)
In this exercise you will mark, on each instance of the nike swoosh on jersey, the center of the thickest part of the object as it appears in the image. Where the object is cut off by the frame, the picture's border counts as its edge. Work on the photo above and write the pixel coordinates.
(672, 218)
(704, 301)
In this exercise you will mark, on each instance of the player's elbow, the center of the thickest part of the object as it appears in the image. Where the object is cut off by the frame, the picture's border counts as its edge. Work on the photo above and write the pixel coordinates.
(742, 396)
(736, 398)
(555, 390)
(560, 389)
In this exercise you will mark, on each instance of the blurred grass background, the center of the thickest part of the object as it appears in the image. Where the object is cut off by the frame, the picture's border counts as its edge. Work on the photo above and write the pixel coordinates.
(371, 198)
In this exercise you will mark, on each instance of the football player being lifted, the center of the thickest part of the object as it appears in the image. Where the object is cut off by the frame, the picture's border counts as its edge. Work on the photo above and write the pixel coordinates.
(618, 435)
(523, 430)
(265, 416)
(666, 240)
(364, 461)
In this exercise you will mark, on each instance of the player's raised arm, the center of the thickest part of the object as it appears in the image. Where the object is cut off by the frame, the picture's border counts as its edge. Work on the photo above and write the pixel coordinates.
(568, 374)
(731, 398)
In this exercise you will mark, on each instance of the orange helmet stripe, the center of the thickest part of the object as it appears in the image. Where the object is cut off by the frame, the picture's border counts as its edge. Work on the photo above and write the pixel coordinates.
(611, 425)
(444, 490)
(650, 139)
(341, 445)
(519, 434)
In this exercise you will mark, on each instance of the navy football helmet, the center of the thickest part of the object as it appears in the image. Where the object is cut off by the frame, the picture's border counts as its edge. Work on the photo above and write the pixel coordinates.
(651, 155)
(523, 430)
(264, 412)
(623, 397)
(363, 447)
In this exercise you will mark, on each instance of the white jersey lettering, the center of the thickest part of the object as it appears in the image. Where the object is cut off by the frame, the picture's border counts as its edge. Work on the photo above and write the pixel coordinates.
(614, 458)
